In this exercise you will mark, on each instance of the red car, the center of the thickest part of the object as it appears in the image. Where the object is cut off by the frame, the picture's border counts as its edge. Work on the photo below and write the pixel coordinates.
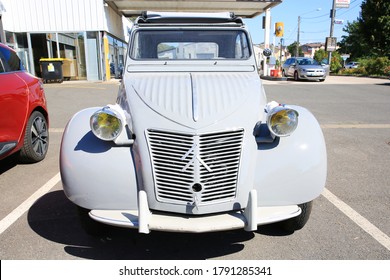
(24, 125)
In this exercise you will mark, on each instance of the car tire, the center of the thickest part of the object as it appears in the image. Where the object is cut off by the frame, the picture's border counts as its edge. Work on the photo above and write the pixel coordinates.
(322, 80)
(90, 226)
(296, 77)
(36, 139)
(299, 221)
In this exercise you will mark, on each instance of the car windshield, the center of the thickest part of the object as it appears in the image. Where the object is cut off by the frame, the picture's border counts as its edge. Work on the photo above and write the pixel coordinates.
(174, 44)
(307, 61)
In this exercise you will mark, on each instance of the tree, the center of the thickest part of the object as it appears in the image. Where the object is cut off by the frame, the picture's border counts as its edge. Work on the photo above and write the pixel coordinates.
(374, 25)
(320, 55)
(292, 48)
(335, 65)
(369, 34)
(353, 44)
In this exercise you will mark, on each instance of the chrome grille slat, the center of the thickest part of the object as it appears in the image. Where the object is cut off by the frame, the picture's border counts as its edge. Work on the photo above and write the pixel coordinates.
(181, 161)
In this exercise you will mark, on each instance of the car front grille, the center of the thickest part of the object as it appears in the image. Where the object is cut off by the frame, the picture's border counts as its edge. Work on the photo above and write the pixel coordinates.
(197, 169)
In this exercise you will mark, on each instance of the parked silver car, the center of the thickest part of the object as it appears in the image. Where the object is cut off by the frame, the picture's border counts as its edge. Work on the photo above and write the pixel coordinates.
(303, 68)
(351, 65)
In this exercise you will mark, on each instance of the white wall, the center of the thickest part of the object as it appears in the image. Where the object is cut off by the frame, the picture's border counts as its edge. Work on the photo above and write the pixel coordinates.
(49, 16)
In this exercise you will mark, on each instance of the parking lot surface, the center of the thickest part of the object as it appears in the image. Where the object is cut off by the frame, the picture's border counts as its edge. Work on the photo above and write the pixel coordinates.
(350, 220)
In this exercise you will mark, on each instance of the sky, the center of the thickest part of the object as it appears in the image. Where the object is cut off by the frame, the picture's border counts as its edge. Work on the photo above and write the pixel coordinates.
(315, 23)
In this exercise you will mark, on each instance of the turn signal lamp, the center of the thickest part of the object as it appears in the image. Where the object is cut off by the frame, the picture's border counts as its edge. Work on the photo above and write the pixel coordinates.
(106, 124)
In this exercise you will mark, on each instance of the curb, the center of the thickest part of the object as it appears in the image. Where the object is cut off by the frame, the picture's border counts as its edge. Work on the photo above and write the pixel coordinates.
(270, 78)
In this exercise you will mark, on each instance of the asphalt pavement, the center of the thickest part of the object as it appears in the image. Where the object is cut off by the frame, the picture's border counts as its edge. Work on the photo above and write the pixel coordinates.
(350, 220)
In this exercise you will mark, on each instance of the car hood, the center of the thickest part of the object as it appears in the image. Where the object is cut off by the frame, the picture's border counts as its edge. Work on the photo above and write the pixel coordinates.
(194, 99)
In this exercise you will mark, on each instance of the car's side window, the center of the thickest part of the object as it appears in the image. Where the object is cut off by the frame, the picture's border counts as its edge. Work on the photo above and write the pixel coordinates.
(2, 70)
(2, 62)
(10, 61)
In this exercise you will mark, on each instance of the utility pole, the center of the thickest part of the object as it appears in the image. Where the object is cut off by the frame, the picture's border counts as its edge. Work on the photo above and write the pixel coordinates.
(332, 16)
(299, 31)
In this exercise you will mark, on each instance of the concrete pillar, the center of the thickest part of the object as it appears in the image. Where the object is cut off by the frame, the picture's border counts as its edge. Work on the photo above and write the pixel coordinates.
(267, 30)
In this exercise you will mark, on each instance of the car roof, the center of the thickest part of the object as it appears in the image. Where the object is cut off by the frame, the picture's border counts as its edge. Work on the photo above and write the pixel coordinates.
(149, 17)
(6, 47)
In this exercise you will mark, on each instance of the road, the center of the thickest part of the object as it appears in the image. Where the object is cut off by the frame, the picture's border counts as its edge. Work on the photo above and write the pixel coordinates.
(350, 221)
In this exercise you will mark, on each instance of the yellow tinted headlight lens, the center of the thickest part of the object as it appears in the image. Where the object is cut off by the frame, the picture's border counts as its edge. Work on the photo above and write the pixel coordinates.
(105, 124)
(283, 121)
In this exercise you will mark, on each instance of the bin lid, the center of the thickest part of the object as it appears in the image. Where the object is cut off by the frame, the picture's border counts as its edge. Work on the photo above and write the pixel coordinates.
(55, 59)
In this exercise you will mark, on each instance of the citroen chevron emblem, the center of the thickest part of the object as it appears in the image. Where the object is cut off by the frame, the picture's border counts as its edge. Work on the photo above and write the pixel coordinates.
(193, 150)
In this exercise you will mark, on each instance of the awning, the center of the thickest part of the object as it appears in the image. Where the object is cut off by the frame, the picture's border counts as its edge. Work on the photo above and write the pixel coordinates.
(242, 8)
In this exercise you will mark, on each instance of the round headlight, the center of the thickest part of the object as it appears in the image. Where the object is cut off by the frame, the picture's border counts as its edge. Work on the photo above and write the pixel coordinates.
(106, 124)
(282, 121)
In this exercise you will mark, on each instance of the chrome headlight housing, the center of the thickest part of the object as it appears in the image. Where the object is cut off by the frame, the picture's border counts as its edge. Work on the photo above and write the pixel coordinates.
(282, 121)
(106, 124)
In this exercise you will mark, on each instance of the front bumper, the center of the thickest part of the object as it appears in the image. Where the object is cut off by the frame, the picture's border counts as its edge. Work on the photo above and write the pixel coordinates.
(308, 76)
(145, 221)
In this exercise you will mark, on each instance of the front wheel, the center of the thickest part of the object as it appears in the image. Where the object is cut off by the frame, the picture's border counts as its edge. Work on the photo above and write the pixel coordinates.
(296, 77)
(299, 221)
(36, 139)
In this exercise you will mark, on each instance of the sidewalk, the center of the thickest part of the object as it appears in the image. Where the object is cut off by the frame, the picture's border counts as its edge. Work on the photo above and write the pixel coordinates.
(337, 80)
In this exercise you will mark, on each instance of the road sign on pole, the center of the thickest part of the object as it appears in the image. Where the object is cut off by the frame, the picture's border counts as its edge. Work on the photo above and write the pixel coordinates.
(331, 44)
(342, 3)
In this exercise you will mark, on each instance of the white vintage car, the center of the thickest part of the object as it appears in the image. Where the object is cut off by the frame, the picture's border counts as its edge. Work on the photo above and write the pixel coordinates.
(192, 144)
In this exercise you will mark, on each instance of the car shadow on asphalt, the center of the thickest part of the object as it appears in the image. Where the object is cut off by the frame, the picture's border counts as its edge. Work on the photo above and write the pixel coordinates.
(8, 163)
(54, 218)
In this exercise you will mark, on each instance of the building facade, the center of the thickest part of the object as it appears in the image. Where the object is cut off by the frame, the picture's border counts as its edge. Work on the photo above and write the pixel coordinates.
(87, 35)
(310, 49)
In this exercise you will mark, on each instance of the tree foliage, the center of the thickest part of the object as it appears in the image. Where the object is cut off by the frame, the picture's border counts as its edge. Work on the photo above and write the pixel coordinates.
(320, 55)
(375, 26)
(292, 48)
(353, 44)
(368, 36)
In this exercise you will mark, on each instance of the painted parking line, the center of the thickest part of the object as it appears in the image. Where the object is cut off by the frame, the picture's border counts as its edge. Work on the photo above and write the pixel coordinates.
(56, 130)
(358, 219)
(23, 208)
(358, 125)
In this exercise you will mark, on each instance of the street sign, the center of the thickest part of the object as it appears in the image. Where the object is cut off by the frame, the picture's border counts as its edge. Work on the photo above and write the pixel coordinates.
(342, 3)
(338, 21)
(345, 56)
(330, 44)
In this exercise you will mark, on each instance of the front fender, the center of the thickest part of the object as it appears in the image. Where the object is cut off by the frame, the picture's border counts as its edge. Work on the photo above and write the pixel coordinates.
(96, 174)
(293, 169)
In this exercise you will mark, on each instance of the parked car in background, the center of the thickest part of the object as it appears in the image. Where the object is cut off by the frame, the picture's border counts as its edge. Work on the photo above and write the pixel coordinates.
(325, 64)
(351, 64)
(23, 112)
(191, 143)
(303, 68)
